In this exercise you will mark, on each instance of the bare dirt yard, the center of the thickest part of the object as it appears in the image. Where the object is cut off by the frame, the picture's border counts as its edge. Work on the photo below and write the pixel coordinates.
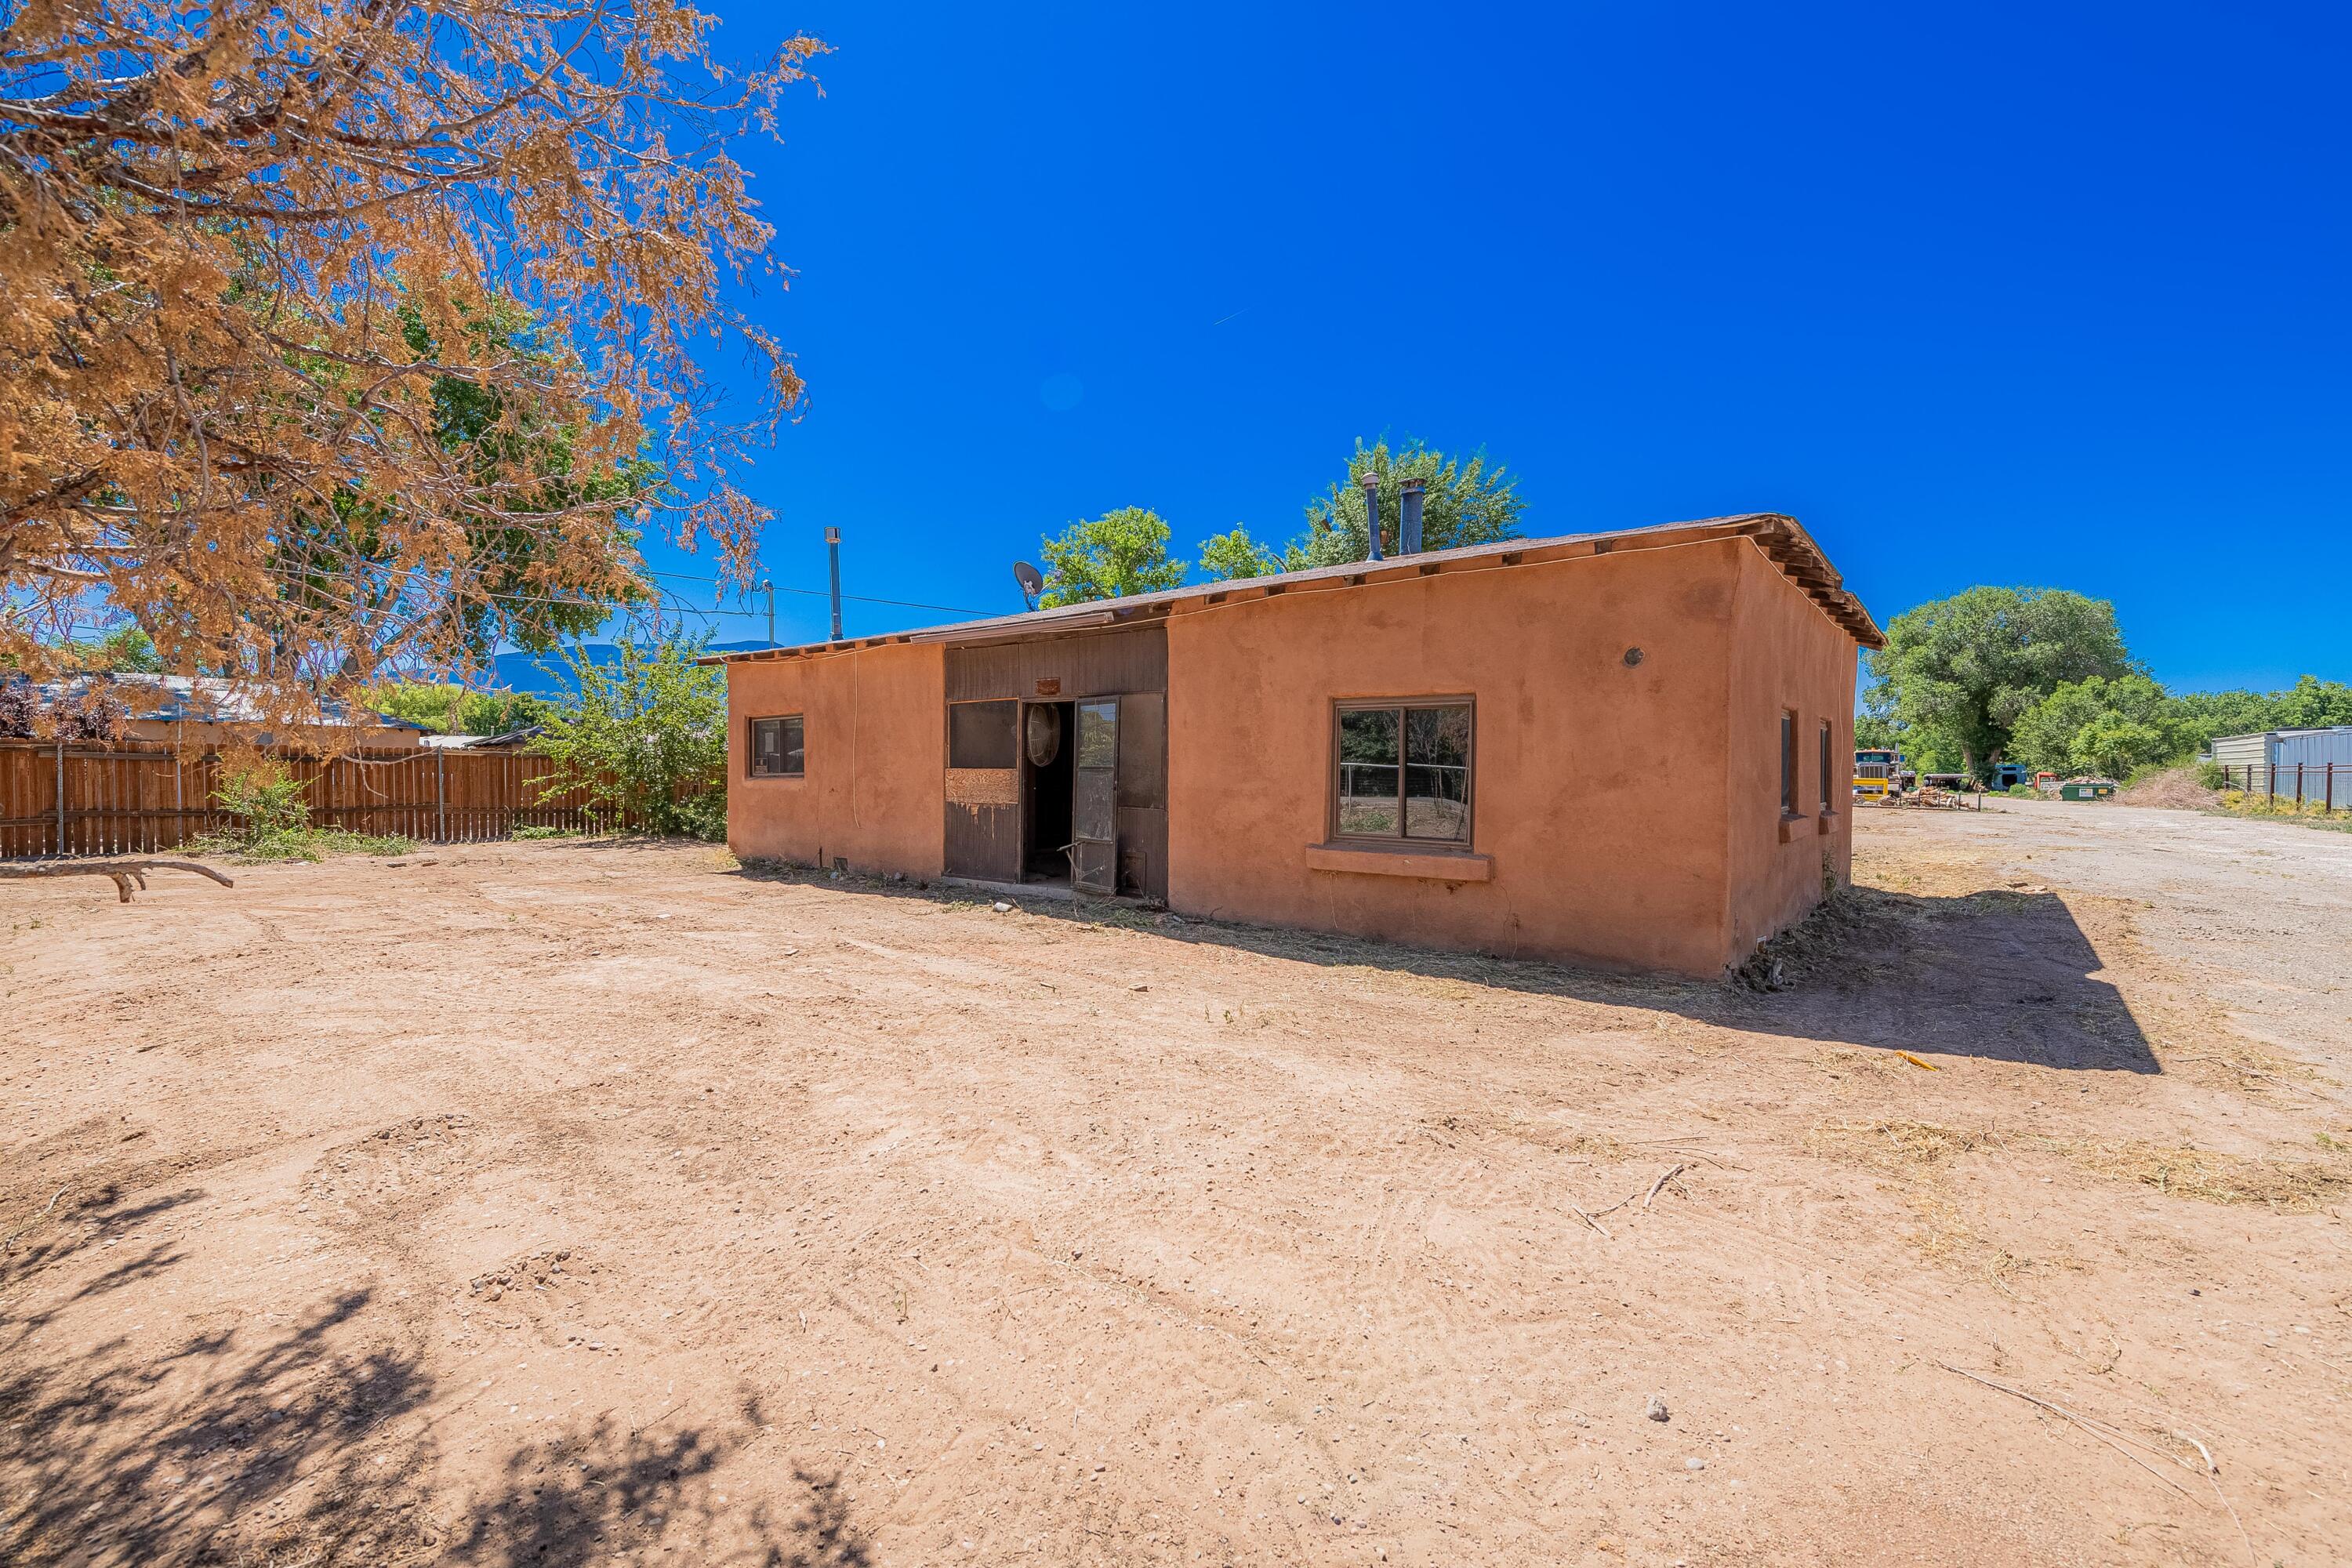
(588, 1203)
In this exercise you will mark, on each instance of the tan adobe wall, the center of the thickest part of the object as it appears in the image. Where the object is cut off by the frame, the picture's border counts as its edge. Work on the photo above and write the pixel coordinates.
(1785, 656)
(1599, 787)
(875, 723)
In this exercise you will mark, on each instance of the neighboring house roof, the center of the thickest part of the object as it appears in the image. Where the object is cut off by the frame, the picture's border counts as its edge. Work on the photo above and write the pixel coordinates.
(204, 699)
(1780, 538)
(528, 732)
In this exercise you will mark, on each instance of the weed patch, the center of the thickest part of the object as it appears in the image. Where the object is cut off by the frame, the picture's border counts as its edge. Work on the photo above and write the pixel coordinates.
(2243, 804)
(272, 822)
(2288, 1186)
(1896, 1148)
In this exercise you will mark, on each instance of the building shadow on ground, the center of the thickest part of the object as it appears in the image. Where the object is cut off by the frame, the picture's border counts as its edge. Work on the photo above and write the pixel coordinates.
(1998, 973)
(316, 1442)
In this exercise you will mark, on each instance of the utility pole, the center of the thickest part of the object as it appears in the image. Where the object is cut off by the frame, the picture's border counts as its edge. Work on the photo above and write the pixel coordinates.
(768, 587)
(833, 550)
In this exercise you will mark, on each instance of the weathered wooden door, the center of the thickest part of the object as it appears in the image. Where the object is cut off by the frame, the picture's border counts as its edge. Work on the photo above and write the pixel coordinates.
(1094, 804)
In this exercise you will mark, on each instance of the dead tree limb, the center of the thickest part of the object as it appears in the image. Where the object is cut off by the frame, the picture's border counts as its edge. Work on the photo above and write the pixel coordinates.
(125, 872)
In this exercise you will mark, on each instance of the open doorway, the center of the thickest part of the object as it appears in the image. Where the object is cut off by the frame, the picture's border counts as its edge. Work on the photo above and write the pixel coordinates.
(1047, 776)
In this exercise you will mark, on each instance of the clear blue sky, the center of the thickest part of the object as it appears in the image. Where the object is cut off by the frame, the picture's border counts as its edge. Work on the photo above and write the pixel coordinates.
(2042, 295)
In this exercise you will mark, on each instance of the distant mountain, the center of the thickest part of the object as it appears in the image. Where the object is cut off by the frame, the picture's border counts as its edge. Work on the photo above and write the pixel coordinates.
(545, 675)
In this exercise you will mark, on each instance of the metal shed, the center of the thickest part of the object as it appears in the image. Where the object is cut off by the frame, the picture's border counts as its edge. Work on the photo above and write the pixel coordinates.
(2311, 765)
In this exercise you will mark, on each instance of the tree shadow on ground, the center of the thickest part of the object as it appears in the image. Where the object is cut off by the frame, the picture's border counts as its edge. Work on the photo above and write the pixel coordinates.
(2001, 974)
(317, 1442)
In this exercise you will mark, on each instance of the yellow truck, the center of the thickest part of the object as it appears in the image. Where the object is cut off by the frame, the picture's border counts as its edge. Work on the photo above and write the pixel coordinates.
(1877, 775)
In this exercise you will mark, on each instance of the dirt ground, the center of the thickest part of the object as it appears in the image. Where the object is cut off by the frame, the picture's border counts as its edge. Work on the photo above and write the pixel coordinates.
(573, 1202)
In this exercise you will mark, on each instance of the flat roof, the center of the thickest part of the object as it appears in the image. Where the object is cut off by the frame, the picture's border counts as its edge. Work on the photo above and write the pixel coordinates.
(1782, 539)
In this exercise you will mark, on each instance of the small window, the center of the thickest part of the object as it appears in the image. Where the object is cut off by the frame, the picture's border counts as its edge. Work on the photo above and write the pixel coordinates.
(776, 750)
(983, 734)
(1402, 771)
(1789, 764)
(1098, 735)
(1826, 737)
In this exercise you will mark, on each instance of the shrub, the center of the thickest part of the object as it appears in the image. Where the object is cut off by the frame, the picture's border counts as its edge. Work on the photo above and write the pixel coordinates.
(93, 714)
(20, 708)
(2210, 776)
(265, 802)
(645, 739)
(273, 821)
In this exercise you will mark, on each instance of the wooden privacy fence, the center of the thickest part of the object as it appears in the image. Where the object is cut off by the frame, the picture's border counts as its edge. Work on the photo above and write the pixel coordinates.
(122, 797)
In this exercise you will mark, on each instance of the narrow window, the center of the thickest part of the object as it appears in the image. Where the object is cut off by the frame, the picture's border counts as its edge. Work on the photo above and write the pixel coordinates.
(1788, 764)
(776, 750)
(1402, 771)
(1826, 737)
(983, 734)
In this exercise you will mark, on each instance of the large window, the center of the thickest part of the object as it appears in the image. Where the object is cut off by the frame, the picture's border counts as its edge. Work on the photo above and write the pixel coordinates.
(1788, 764)
(983, 734)
(1402, 771)
(776, 749)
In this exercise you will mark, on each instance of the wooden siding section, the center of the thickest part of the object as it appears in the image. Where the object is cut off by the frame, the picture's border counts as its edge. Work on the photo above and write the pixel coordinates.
(983, 842)
(1082, 664)
(124, 798)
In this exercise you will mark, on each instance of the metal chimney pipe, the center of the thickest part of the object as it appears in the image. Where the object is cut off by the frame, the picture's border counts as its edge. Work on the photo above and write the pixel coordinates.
(833, 550)
(1410, 527)
(1373, 515)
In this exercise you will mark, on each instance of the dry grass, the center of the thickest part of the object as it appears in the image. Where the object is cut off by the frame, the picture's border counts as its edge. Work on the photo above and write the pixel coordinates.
(2178, 788)
(1896, 1148)
(1917, 1151)
(2289, 1186)
(2240, 802)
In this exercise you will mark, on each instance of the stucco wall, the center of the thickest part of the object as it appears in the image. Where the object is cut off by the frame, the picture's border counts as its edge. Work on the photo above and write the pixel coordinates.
(875, 723)
(1785, 656)
(1600, 787)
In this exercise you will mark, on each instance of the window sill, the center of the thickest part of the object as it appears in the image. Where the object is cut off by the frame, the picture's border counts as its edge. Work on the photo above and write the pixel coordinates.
(774, 778)
(1795, 827)
(1430, 865)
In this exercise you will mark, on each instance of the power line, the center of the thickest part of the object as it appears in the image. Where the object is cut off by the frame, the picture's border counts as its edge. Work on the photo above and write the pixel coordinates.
(826, 594)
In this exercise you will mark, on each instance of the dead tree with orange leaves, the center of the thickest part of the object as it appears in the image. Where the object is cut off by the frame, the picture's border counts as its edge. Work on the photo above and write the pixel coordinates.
(341, 332)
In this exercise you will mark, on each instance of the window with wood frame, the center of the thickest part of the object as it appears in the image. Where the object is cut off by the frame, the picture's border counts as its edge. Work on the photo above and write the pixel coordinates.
(1827, 736)
(984, 734)
(776, 750)
(1400, 771)
(1788, 764)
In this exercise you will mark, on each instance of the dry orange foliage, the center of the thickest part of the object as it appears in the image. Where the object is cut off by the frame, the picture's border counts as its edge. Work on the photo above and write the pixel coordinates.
(253, 256)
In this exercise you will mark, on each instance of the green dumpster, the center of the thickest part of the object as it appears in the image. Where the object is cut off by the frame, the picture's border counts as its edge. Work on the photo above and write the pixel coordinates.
(2087, 789)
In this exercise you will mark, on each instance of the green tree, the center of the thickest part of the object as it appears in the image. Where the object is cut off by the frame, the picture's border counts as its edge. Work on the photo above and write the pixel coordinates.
(1958, 673)
(644, 737)
(1227, 556)
(2116, 746)
(2311, 704)
(2211, 713)
(513, 467)
(1463, 502)
(128, 650)
(1875, 732)
(2049, 734)
(1118, 553)
(447, 708)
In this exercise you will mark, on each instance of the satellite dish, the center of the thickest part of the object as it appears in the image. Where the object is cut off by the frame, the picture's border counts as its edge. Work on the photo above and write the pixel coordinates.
(1032, 581)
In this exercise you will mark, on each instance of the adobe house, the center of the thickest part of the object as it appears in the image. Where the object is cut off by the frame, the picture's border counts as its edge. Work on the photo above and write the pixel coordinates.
(1633, 748)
